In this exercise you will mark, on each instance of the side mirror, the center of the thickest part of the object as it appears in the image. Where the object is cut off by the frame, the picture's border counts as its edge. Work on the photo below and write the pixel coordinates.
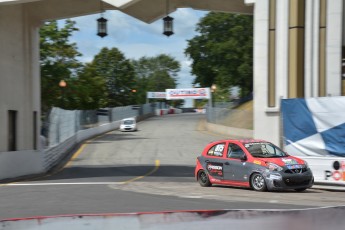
(244, 157)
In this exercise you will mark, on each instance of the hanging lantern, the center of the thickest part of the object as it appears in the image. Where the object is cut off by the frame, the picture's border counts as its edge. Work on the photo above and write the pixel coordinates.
(168, 26)
(102, 27)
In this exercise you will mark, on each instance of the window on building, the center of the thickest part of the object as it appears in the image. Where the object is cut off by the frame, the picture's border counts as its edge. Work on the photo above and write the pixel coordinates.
(12, 130)
(35, 130)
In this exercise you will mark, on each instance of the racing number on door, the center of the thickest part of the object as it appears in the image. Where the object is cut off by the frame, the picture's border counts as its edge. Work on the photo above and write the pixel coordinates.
(216, 150)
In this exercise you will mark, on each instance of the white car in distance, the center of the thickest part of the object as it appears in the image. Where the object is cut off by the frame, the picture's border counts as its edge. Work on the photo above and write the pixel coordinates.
(128, 124)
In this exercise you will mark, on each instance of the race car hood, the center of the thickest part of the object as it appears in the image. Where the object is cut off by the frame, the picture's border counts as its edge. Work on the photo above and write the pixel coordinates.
(283, 161)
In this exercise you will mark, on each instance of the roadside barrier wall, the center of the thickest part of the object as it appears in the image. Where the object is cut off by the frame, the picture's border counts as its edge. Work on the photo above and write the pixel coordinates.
(327, 170)
(64, 130)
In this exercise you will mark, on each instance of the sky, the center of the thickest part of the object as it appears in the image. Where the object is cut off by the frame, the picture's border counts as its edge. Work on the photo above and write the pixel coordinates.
(136, 39)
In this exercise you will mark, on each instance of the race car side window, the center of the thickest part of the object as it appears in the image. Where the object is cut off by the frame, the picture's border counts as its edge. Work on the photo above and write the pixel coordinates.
(235, 151)
(216, 150)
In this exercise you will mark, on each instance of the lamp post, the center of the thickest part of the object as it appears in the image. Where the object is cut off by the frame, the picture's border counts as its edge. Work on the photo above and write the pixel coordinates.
(168, 22)
(63, 85)
(213, 91)
(101, 23)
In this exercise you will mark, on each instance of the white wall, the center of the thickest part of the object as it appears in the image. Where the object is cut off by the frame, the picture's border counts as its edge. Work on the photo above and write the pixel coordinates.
(20, 163)
(311, 62)
(27, 163)
(324, 171)
(266, 120)
(333, 47)
(19, 88)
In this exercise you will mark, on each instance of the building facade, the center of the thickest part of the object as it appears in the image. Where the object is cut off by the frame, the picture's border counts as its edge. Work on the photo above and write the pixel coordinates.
(298, 53)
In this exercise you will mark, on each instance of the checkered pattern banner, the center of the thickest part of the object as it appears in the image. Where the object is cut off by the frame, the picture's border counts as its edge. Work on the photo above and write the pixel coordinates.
(314, 126)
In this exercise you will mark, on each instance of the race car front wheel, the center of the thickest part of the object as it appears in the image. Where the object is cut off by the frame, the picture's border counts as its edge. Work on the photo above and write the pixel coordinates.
(258, 183)
(203, 179)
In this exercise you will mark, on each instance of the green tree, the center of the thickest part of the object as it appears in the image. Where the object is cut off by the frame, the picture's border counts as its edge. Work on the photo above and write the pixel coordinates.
(155, 74)
(58, 60)
(90, 90)
(222, 53)
(118, 74)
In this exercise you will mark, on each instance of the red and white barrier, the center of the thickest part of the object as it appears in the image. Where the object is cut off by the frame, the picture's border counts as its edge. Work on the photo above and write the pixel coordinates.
(161, 112)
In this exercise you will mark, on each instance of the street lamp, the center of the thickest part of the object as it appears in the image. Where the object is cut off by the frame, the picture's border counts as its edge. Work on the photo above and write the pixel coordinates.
(101, 23)
(168, 22)
(168, 26)
(213, 90)
(102, 27)
(214, 87)
(62, 84)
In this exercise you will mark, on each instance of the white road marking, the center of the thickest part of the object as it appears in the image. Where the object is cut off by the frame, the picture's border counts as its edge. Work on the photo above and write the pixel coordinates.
(192, 197)
(66, 183)
(273, 201)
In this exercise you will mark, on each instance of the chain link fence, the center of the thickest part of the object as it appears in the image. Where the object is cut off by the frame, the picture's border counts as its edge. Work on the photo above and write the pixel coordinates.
(61, 124)
(232, 114)
(236, 118)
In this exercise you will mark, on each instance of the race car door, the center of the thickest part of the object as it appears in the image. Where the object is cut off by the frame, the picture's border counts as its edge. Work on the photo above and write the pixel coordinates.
(235, 169)
(214, 161)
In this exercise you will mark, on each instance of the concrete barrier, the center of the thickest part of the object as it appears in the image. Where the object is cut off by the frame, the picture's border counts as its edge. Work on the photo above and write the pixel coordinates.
(161, 112)
(308, 219)
(327, 170)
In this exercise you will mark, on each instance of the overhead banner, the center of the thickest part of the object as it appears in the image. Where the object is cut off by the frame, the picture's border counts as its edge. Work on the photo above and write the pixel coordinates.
(156, 95)
(193, 93)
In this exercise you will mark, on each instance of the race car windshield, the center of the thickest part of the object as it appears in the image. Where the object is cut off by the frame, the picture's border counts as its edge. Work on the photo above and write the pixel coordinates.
(128, 122)
(264, 150)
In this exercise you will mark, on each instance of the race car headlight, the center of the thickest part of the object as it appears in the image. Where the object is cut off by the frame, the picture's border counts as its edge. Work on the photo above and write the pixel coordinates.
(273, 167)
(306, 164)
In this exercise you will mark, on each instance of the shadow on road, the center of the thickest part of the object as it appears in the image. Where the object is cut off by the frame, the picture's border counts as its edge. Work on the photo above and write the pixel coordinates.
(118, 172)
(111, 137)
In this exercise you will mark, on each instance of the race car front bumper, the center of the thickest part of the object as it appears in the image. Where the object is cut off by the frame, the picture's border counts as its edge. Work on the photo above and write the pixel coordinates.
(286, 180)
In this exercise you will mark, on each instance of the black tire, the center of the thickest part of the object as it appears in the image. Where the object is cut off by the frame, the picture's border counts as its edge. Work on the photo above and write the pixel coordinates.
(257, 182)
(203, 179)
(300, 189)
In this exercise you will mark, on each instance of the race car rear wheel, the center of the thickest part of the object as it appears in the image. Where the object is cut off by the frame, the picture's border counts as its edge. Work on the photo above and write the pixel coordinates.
(203, 179)
(257, 181)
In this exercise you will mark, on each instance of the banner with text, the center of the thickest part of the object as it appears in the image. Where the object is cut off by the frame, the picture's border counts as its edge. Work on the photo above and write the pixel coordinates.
(193, 93)
(156, 95)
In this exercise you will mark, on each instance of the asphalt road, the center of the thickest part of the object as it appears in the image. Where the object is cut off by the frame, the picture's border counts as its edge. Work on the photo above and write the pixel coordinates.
(150, 170)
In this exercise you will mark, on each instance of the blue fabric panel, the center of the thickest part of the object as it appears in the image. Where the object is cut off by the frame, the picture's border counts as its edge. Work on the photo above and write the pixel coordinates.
(334, 139)
(297, 120)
